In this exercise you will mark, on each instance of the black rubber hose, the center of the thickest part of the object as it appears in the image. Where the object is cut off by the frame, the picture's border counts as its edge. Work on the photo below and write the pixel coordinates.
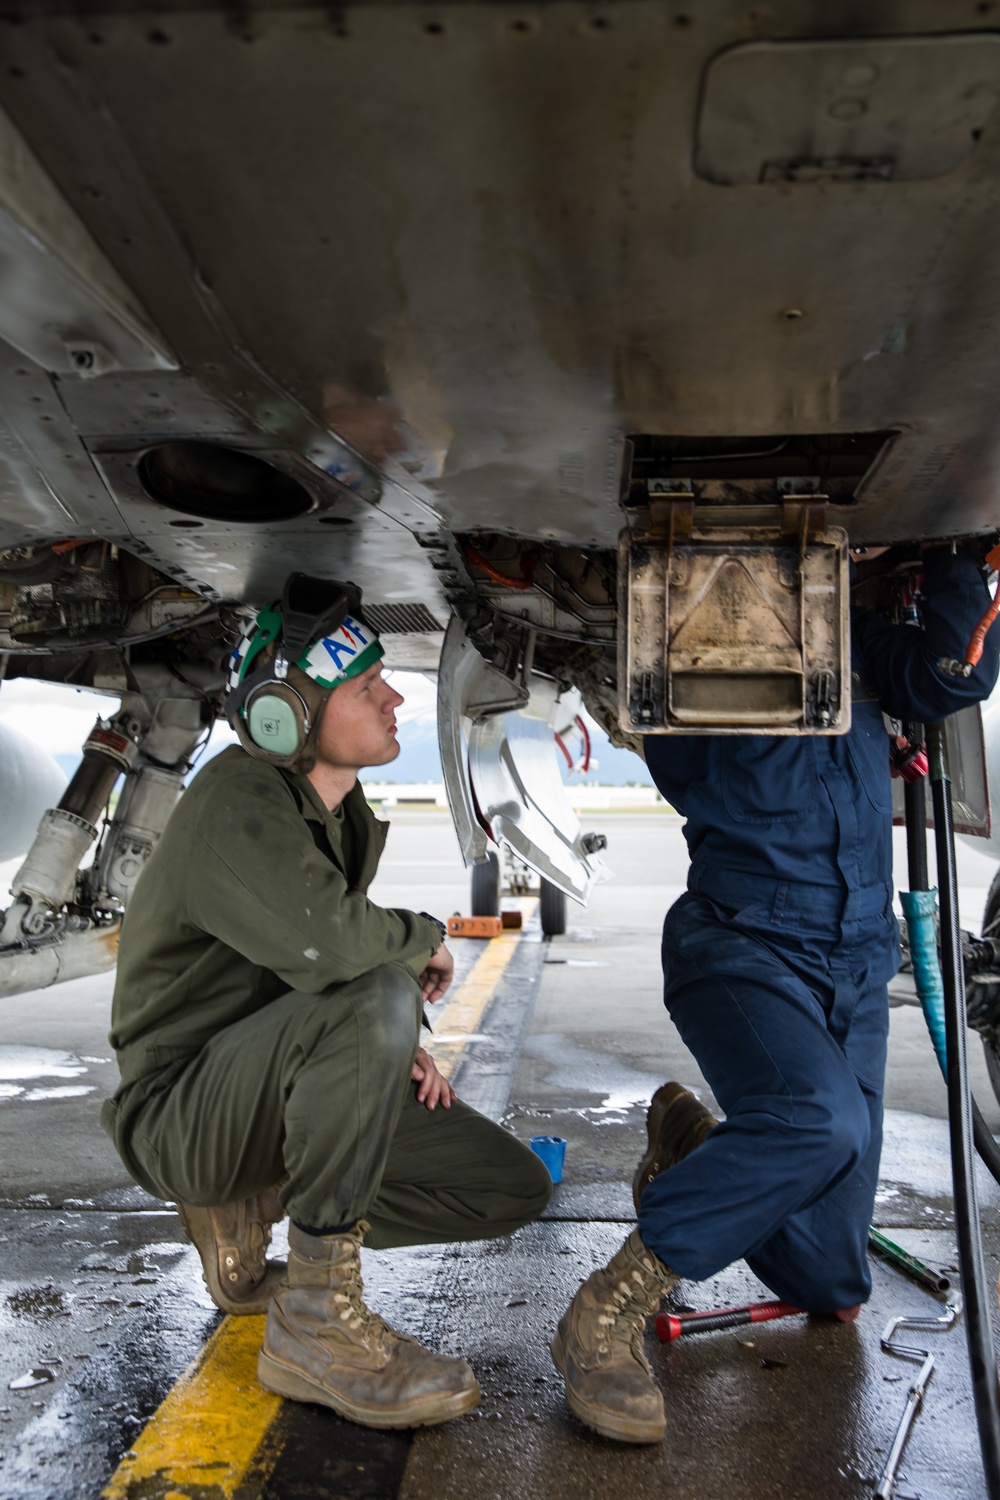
(979, 1333)
(987, 1147)
(915, 804)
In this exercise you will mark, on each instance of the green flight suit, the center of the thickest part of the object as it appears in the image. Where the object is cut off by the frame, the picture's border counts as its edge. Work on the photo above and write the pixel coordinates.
(266, 1016)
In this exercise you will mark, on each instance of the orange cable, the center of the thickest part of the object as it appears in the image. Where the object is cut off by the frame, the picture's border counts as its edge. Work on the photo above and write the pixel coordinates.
(977, 640)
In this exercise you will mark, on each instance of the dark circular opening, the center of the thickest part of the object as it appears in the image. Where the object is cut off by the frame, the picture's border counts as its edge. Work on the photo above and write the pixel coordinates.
(187, 525)
(220, 484)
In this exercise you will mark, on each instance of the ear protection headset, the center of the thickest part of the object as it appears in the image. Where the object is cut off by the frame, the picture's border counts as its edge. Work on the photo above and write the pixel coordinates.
(289, 662)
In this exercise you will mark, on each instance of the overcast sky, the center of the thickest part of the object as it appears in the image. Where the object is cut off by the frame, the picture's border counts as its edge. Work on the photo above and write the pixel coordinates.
(59, 718)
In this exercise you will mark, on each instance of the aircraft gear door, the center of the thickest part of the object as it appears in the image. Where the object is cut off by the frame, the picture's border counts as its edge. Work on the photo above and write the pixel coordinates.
(499, 758)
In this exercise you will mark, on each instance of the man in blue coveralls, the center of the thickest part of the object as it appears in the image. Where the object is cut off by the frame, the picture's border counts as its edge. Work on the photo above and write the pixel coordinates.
(776, 962)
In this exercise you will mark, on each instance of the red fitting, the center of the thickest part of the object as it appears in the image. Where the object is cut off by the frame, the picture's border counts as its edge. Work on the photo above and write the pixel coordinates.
(908, 761)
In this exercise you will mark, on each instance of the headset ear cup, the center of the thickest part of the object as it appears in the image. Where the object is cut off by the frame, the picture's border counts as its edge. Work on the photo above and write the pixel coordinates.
(276, 722)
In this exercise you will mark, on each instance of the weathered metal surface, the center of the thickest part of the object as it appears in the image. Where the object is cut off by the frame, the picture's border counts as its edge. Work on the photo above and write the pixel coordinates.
(734, 631)
(447, 262)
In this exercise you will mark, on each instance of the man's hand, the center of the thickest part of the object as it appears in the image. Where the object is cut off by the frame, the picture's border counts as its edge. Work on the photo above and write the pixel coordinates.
(437, 976)
(434, 1087)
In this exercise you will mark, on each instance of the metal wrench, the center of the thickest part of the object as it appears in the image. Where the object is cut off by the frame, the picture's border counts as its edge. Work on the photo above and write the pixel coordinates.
(914, 1395)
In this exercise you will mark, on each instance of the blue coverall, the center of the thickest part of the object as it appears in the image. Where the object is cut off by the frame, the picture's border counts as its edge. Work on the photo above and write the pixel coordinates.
(777, 958)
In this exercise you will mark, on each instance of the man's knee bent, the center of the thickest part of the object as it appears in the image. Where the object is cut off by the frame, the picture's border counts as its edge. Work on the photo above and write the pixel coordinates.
(385, 1005)
(841, 1134)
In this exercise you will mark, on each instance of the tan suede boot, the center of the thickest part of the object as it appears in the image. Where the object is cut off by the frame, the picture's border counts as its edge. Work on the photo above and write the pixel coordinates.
(675, 1124)
(232, 1241)
(598, 1346)
(322, 1343)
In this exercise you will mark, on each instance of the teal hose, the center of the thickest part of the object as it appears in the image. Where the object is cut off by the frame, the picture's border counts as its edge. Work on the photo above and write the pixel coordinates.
(919, 908)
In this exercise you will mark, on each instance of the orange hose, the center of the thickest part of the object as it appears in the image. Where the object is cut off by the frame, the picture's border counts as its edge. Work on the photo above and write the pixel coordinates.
(977, 640)
(475, 556)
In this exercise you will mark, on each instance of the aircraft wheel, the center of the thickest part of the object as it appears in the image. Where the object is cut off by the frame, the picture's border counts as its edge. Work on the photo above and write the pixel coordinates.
(486, 887)
(991, 1044)
(552, 909)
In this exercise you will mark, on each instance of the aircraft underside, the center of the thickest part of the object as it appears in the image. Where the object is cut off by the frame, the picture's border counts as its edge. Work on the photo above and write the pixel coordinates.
(582, 337)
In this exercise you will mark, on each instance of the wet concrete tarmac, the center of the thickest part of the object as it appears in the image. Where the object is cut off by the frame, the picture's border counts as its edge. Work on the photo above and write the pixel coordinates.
(102, 1306)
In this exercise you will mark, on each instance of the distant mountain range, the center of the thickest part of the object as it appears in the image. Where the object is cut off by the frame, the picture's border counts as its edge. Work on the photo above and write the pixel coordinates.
(418, 760)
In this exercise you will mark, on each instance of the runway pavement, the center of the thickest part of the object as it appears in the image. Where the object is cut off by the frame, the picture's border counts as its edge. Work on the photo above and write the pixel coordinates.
(102, 1309)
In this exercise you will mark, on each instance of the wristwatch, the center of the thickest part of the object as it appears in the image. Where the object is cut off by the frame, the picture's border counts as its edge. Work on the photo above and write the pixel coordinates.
(442, 929)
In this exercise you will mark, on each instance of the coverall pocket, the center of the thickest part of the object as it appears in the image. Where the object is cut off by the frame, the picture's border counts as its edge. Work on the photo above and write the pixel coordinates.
(769, 781)
(869, 755)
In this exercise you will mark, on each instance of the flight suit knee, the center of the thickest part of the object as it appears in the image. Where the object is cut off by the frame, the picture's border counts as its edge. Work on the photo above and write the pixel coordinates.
(387, 1008)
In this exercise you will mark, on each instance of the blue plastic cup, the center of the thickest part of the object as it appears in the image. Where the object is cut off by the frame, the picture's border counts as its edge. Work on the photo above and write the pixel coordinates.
(552, 1150)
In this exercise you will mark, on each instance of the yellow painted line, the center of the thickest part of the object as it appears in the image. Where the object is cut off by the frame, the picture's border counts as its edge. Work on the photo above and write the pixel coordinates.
(206, 1433)
(463, 1013)
(214, 1422)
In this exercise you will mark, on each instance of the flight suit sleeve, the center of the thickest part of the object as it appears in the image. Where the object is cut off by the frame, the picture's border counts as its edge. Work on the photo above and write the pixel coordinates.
(903, 661)
(267, 891)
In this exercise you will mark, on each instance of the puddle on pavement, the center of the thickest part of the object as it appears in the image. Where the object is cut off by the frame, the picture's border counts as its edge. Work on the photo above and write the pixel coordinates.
(619, 1102)
(21, 1065)
(64, 1091)
(38, 1302)
(580, 963)
(39, 1062)
(27, 1382)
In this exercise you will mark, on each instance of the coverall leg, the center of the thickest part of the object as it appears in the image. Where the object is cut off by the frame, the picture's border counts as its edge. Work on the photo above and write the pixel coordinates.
(317, 1089)
(788, 1022)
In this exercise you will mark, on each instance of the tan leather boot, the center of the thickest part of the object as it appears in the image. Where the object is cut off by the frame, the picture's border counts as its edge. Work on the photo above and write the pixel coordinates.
(232, 1241)
(675, 1124)
(598, 1346)
(321, 1343)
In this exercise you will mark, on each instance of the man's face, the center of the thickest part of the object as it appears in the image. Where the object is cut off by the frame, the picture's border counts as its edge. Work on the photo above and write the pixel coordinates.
(358, 727)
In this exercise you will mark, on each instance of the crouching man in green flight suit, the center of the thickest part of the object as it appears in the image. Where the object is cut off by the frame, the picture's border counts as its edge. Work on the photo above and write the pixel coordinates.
(267, 1020)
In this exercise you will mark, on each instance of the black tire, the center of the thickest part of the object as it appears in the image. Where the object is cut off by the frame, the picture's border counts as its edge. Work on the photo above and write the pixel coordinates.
(552, 909)
(486, 887)
(991, 1044)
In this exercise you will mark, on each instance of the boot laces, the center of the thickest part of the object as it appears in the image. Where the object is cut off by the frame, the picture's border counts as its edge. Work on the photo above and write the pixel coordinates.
(627, 1305)
(371, 1330)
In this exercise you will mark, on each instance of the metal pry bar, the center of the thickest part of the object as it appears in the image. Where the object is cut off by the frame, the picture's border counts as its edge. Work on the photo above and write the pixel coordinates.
(914, 1395)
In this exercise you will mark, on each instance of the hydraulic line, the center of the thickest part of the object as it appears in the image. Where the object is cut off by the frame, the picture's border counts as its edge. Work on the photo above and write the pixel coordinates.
(919, 905)
(915, 803)
(483, 563)
(982, 1360)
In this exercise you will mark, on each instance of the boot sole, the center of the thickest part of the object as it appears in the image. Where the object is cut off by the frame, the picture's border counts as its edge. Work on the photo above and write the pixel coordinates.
(285, 1381)
(197, 1225)
(621, 1430)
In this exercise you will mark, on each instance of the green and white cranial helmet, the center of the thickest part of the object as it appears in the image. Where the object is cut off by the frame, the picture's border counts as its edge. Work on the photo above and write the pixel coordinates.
(289, 662)
(330, 659)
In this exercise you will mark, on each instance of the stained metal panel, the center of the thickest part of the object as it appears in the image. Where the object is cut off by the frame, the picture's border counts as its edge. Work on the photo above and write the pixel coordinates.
(734, 633)
(900, 108)
(451, 259)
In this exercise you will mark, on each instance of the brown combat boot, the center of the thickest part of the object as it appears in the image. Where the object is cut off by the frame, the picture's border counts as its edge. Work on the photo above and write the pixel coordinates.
(322, 1343)
(675, 1124)
(598, 1346)
(232, 1241)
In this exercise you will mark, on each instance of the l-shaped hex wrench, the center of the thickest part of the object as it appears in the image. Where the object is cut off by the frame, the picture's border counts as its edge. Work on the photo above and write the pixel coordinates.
(914, 1395)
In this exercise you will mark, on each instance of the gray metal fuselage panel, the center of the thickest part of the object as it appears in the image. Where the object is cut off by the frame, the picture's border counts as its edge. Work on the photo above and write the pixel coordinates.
(438, 264)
